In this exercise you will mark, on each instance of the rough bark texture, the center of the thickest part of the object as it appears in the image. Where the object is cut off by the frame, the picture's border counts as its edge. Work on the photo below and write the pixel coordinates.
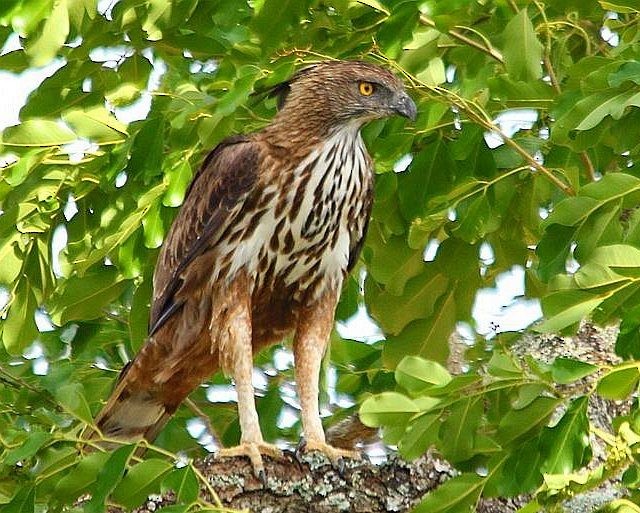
(310, 484)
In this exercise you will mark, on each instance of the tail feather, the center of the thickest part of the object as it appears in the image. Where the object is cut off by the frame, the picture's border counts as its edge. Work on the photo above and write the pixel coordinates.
(155, 383)
(131, 413)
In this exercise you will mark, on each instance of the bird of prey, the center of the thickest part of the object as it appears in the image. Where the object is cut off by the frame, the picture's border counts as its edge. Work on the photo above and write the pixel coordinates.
(270, 226)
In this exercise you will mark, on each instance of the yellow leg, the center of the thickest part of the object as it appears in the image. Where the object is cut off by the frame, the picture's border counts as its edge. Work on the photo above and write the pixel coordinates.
(310, 343)
(252, 444)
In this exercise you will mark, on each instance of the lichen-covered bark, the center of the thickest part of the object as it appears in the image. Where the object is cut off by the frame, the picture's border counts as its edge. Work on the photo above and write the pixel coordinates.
(310, 484)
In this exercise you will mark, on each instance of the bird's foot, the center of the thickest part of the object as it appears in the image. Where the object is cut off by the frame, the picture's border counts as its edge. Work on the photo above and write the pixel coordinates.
(253, 451)
(336, 455)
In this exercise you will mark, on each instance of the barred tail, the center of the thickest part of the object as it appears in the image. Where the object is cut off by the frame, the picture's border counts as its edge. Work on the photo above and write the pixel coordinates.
(132, 412)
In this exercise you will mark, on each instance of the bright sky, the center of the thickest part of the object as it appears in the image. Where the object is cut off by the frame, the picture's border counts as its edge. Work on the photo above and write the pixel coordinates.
(495, 310)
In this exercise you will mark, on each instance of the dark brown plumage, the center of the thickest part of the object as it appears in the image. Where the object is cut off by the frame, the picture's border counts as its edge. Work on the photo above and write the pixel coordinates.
(270, 226)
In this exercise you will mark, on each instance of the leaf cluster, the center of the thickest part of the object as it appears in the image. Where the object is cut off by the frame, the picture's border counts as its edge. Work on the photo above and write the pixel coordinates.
(138, 91)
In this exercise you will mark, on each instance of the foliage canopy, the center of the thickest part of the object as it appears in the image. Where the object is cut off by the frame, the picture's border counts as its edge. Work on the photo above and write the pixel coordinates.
(558, 197)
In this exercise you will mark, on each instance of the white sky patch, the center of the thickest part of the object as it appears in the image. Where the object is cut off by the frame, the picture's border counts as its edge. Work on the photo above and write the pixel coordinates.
(17, 87)
(121, 179)
(70, 208)
(196, 427)
(612, 38)
(78, 149)
(58, 243)
(43, 321)
(282, 359)
(403, 163)
(504, 308)
(105, 7)
(221, 394)
(360, 327)
(5, 295)
(431, 250)
(487, 256)
(510, 122)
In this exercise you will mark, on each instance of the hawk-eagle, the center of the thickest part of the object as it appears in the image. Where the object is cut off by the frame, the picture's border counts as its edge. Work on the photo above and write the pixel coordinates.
(270, 226)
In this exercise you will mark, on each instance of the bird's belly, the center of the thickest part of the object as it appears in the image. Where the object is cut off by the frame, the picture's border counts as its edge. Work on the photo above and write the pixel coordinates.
(302, 241)
(283, 258)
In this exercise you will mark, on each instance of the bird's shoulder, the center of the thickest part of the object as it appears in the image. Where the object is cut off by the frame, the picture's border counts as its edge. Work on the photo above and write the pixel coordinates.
(227, 176)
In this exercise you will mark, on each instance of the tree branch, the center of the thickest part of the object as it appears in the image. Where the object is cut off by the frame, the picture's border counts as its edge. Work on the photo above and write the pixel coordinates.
(485, 48)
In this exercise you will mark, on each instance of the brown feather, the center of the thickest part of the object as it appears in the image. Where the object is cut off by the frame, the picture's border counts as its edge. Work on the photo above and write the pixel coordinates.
(270, 226)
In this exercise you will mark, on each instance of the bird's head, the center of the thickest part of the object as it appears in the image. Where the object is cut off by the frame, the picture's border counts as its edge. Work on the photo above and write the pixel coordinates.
(336, 93)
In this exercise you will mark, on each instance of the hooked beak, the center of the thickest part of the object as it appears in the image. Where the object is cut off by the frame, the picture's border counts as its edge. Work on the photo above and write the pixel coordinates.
(405, 106)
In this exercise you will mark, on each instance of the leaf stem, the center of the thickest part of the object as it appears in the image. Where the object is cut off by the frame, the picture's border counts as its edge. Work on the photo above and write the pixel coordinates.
(486, 48)
(586, 160)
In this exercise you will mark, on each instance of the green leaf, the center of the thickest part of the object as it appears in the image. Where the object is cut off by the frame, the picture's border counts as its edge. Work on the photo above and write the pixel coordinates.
(386, 409)
(38, 132)
(617, 255)
(566, 445)
(184, 483)
(390, 261)
(86, 297)
(427, 338)
(17, 173)
(516, 423)
(593, 275)
(81, 476)
(434, 73)
(618, 383)
(613, 106)
(96, 124)
(52, 36)
(418, 375)
(628, 71)
(19, 328)
(457, 432)
(621, 505)
(108, 478)
(72, 398)
(567, 370)
(23, 502)
(567, 307)
(141, 480)
(153, 225)
(30, 447)
(522, 51)
(178, 179)
(421, 434)
(428, 175)
(457, 495)
(502, 365)
(591, 111)
(417, 301)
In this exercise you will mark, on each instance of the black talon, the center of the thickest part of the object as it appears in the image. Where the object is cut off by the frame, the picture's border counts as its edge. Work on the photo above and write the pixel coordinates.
(262, 476)
(340, 467)
(302, 444)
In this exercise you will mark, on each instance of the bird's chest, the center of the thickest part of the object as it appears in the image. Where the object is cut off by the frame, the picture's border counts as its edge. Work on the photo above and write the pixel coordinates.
(313, 221)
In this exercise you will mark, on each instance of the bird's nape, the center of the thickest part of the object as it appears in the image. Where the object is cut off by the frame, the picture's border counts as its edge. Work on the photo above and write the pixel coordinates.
(270, 226)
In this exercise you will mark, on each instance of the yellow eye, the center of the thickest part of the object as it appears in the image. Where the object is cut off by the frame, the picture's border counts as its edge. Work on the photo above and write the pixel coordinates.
(366, 88)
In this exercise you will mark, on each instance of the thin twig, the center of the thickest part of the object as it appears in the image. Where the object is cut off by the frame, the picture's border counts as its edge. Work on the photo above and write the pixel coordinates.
(591, 170)
(513, 6)
(204, 418)
(489, 50)
(479, 116)
(567, 189)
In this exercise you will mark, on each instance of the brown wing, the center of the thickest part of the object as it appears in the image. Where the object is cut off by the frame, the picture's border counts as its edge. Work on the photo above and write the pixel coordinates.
(227, 176)
(356, 247)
